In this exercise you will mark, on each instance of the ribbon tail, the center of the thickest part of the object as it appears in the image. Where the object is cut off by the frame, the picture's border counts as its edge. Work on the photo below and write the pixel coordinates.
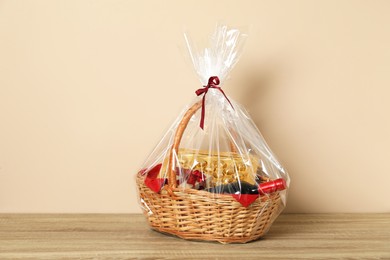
(203, 112)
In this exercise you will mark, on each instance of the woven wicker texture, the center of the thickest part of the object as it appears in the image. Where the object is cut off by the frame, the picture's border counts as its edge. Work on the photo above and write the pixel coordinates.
(202, 215)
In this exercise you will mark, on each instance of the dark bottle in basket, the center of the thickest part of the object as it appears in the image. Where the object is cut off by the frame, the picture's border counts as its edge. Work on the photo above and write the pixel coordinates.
(243, 187)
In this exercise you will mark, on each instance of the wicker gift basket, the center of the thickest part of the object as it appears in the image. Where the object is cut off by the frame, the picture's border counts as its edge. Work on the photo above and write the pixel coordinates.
(218, 182)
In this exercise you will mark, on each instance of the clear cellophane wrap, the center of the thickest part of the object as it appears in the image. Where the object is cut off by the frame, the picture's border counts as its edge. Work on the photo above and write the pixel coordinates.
(213, 150)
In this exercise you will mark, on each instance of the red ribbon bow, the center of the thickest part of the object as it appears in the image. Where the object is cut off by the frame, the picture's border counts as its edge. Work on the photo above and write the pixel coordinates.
(213, 83)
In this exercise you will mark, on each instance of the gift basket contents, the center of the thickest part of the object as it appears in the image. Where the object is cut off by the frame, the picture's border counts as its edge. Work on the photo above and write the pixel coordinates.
(212, 177)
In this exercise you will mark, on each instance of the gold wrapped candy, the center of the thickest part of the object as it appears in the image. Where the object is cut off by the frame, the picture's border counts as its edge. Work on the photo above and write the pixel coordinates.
(222, 168)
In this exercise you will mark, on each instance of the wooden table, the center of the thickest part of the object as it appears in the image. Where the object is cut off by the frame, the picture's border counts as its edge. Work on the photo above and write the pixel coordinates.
(122, 236)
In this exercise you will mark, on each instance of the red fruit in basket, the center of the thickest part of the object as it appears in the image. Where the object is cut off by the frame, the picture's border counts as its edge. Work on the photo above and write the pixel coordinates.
(195, 176)
(192, 176)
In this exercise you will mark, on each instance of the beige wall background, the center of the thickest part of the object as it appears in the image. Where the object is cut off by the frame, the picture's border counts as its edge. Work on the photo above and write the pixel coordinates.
(87, 88)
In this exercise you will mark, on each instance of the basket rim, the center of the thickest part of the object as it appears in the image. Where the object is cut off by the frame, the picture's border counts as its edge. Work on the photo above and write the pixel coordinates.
(182, 192)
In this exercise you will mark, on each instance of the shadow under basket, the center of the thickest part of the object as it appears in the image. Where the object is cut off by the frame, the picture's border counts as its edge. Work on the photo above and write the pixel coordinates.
(201, 215)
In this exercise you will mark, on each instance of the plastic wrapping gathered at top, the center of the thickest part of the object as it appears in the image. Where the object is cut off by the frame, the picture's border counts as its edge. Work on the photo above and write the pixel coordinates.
(213, 160)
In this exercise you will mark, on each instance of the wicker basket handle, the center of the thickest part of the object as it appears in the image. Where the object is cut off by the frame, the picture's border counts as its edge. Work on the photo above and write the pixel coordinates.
(176, 142)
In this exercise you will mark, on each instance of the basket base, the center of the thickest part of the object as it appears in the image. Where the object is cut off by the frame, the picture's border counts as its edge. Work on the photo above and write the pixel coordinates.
(210, 239)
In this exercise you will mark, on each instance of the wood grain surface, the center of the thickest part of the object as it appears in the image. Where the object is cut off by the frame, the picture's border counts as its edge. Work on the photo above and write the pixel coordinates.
(122, 236)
